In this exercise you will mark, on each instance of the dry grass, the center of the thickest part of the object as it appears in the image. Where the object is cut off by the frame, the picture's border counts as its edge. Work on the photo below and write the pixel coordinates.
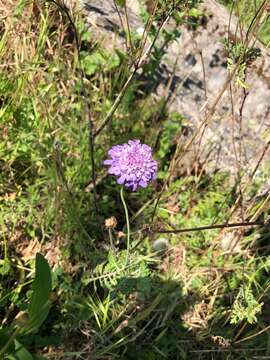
(183, 299)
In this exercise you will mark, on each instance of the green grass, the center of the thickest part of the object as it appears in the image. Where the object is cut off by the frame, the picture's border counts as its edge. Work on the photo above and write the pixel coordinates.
(195, 300)
(246, 11)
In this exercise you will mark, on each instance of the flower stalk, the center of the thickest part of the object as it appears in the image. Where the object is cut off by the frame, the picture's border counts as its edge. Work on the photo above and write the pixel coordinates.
(127, 222)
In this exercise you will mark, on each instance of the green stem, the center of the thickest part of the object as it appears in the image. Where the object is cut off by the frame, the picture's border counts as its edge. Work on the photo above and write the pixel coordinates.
(9, 342)
(111, 240)
(127, 221)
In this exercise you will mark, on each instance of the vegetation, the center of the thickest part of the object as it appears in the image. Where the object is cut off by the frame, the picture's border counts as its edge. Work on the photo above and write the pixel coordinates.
(247, 11)
(67, 290)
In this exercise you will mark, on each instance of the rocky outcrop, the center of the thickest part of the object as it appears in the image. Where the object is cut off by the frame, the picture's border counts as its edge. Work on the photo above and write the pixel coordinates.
(196, 66)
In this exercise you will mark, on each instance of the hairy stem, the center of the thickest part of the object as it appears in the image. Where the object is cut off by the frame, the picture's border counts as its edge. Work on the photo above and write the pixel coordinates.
(111, 240)
(127, 222)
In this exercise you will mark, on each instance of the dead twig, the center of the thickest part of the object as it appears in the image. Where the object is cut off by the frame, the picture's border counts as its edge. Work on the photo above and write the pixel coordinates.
(211, 227)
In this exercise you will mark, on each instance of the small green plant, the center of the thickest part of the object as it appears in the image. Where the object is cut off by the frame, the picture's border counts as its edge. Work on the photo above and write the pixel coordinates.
(245, 307)
(238, 52)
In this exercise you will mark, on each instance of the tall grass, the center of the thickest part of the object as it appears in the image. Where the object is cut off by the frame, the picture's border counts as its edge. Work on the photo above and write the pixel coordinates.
(65, 100)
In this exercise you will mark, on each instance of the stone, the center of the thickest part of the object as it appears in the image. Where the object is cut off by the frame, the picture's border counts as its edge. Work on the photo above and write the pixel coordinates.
(197, 65)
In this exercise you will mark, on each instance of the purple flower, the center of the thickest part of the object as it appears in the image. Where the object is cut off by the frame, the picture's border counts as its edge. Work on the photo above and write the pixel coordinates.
(132, 163)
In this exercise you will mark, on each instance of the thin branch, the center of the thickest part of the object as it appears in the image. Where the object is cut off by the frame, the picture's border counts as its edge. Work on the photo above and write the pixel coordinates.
(130, 78)
(128, 28)
(204, 76)
(238, 200)
(210, 227)
(122, 23)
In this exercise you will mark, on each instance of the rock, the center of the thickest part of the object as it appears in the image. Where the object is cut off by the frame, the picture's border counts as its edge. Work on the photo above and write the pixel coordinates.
(247, 130)
(161, 245)
(200, 63)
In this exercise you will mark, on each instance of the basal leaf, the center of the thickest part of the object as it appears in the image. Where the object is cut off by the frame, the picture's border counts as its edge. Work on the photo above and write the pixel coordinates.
(21, 353)
(42, 287)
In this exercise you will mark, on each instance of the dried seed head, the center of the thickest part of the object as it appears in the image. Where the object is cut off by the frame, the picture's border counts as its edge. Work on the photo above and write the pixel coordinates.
(21, 319)
(110, 223)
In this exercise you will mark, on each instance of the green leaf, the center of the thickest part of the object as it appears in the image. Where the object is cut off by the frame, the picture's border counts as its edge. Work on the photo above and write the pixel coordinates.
(120, 3)
(20, 8)
(5, 267)
(92, 63)
(42, 288)
(21, 353)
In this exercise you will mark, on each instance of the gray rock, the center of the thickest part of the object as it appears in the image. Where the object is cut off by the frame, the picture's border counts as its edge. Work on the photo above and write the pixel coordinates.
(161, 245)
(228, 139)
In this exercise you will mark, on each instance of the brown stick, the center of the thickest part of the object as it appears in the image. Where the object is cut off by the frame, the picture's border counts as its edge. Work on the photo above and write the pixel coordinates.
(210, 227)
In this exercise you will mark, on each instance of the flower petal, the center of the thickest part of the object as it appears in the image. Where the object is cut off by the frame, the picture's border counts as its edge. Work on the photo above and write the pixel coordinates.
(114, 170)
(143, 183)
(121, 180)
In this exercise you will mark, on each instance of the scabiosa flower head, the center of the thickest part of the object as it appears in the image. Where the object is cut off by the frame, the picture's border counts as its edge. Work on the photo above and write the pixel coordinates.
(132, 163)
